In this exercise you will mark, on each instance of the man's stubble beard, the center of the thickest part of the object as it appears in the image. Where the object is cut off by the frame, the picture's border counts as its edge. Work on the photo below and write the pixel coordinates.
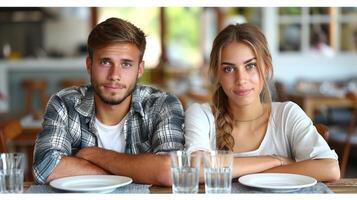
(108, 101)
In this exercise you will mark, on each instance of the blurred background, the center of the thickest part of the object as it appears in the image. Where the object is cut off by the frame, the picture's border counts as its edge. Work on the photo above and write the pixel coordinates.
(314, 49)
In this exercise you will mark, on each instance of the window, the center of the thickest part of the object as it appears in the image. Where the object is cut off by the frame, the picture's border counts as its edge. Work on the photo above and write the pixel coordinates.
(348, 27)
(322, 29)
(147, 19)
(183, 36)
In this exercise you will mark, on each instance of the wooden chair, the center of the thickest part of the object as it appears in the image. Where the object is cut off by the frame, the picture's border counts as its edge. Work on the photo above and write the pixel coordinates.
(190, 97)
(8, 132)
(344, 138)
(64, 83)
(31, 86)
(280, 90)
(15, 138)
(323, 130)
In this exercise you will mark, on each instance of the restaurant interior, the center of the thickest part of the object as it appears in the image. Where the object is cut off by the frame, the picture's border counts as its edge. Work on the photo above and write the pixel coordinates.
(314, 49)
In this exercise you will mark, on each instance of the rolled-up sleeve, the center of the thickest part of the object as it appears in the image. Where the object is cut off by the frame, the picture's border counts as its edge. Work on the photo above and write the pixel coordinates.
(169, 122)
(53, 142)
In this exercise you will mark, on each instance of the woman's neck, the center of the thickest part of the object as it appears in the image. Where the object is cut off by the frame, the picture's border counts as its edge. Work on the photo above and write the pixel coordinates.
(247, 113)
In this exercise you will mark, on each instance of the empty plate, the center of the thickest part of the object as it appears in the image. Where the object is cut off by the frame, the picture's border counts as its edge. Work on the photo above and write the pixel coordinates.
(277, 181)
(90, 183)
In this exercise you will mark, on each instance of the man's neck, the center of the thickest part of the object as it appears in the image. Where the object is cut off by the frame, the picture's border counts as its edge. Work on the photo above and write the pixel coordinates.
(111, 114)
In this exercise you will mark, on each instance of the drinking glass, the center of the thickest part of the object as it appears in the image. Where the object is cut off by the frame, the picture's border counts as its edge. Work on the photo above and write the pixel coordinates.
(185, 170)
(12, 167)
(218, 171)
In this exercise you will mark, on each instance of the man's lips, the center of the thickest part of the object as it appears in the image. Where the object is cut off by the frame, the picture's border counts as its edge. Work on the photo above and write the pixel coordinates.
(114, 86)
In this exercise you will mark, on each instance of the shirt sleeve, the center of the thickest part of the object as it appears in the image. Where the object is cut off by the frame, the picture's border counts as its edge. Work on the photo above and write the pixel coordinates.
(197, 129)
(305, 141)
(168, 135)
(53, 142)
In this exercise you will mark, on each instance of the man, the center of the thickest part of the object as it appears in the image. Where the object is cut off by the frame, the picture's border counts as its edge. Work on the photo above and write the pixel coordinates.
(112, 126)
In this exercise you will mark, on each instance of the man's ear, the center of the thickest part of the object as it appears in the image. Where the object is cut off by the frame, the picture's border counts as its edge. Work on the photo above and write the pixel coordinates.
(141, 69)
(89, 64)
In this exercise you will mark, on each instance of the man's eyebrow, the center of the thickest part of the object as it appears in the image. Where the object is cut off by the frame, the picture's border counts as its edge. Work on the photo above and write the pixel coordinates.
(126, 60)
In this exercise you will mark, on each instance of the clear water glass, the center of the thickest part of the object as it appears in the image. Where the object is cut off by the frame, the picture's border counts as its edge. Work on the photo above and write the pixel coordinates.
(218, 171)
(12, 167)
(185, 171)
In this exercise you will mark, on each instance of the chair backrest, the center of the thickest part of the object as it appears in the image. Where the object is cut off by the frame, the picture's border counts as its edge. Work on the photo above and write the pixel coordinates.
(323, 130)
(64, 83)
(30, 87)
(8, 132)
(280, 91)
(351, 128)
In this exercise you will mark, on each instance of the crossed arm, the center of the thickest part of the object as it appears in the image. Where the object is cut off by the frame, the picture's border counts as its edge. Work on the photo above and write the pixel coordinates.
(320, 169)
(143, 168)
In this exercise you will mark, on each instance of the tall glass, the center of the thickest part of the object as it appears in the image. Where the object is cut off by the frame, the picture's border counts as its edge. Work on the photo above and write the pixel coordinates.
(218, 171)
(12, 167)
(185, 170)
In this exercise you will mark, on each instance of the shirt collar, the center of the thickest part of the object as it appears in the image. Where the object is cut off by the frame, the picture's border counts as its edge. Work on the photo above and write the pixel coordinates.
(86, 106)
(136, 102)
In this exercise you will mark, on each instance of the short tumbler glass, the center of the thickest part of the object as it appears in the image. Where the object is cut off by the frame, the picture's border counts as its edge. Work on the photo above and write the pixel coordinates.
(185, 171)
(12, 167)
(218, 171)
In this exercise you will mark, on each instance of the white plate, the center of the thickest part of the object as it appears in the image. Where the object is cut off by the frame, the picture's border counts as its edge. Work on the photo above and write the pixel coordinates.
(277, 181)
(91, 183)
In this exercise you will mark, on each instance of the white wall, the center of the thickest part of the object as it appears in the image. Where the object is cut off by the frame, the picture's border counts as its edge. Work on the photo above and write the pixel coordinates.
(290, 68)
(68, 30)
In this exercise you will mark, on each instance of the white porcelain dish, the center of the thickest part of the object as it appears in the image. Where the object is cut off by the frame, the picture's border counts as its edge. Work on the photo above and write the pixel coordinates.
(91, 183)
(277, 181)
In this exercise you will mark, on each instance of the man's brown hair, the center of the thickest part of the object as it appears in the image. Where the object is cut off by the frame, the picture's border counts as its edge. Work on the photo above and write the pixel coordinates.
(115, 30)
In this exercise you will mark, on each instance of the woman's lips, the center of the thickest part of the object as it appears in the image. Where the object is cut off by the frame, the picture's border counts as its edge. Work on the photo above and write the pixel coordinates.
(242, 92)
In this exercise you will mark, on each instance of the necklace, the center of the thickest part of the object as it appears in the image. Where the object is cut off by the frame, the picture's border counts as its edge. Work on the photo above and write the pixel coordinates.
(249, 120)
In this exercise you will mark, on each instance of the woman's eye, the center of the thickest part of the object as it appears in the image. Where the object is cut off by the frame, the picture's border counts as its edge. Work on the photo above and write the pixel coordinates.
(228, 69)
(251, 66)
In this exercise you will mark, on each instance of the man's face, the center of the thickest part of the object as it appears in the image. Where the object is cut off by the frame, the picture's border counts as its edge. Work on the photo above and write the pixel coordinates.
(114, 70)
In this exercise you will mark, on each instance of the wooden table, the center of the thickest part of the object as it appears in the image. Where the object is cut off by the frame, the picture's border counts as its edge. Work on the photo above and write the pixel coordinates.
(347, 185)
(310, 102)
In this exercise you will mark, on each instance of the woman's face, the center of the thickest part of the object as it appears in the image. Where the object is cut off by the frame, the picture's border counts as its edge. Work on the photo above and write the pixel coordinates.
(239, 76)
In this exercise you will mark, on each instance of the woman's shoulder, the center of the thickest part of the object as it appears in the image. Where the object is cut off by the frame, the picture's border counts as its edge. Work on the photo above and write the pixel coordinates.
(286, 111)
(198, 108)
(282, 107)
(199, 112)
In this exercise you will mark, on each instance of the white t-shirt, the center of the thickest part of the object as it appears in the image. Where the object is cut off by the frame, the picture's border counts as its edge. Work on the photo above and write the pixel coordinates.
(111, 137)
(290, 133)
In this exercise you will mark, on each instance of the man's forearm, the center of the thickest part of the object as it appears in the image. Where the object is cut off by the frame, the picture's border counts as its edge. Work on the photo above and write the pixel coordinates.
(73, 166)
(142, 168)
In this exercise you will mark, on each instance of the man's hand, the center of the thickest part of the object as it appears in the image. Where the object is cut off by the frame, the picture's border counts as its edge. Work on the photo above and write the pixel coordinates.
(88, 153)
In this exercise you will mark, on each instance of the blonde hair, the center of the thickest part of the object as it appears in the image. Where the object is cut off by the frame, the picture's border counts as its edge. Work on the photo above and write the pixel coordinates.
(252, 36)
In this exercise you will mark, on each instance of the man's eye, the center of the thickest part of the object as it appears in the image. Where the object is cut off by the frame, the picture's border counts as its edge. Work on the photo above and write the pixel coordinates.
(228, 69)
(126, 65)
(104, 62)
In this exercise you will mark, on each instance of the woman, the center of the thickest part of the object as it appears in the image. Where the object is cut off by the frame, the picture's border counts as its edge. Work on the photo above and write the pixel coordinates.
(265, 136)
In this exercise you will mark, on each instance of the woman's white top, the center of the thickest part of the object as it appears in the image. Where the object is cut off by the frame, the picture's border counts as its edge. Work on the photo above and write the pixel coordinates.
(290, 133)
